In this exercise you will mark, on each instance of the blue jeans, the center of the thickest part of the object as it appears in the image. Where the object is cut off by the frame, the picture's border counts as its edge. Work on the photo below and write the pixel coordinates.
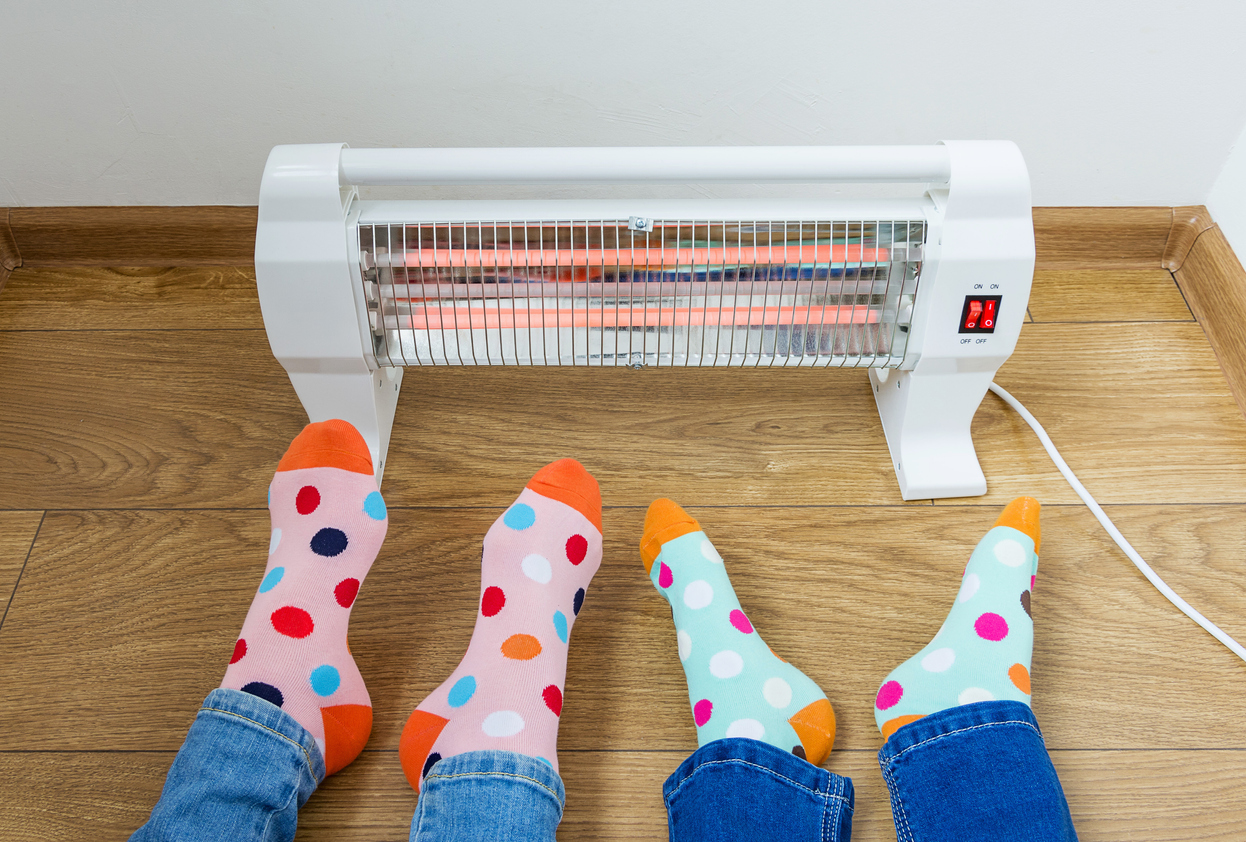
(978, 772)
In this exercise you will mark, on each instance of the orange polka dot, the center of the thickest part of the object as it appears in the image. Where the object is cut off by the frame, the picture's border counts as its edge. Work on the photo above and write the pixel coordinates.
(1021, 677)
(893, 725)
(521, 647)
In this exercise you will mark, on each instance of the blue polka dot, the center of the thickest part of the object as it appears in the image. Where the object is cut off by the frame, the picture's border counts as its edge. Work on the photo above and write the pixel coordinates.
(270, 495)
(560, 625)
(546, 762)
(462, 691)
(271, 580)
(519, 517)
(325, 680)
(374, 505)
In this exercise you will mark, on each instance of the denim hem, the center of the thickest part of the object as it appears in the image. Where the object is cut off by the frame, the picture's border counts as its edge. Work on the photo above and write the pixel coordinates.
(258, 713)
(974, 772)
(489, 796)
(739, 788)
(500, 764)
(957, 720)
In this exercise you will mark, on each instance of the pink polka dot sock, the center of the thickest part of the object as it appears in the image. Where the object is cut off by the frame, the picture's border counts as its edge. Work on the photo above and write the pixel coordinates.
(982, 652)
(506, 694)
(328, 522)
(737, 687)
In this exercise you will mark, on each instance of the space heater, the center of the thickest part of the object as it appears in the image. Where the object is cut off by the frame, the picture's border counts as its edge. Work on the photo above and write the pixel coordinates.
(927, 293)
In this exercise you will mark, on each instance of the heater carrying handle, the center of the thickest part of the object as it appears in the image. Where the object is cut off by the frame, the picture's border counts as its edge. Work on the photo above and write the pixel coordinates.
(647, 164)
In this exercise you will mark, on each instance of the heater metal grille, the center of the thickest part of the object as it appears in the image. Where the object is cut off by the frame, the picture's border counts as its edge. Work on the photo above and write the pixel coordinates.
(642, 292)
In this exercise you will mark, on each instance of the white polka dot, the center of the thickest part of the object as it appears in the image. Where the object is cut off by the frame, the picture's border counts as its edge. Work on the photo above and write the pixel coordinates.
(685, 644)
(726, 664)
(969, 587)
(1011, 553)
(536, 567)
(748, 728)
(711, 554)
(320, 745)
(777, 692)
(698, 594)
(502, 723)
(274, 541)
(939, 660)
(975, 694)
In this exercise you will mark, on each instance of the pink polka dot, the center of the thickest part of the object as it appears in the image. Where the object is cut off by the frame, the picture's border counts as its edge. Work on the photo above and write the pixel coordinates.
(307, 500)
(702, 711)
(741, 622)
(665, 577)
(889, 695)
(991, 627)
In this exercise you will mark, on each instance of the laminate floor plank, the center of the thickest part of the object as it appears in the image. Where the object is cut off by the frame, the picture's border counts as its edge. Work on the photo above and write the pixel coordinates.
(1107, 295)
(199, 419)
(17, 533)
(129, 619)
(1114, 796)
(131, 299)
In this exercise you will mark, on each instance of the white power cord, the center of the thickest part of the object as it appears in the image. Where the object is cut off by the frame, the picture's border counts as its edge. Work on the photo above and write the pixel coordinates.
(1172, 596)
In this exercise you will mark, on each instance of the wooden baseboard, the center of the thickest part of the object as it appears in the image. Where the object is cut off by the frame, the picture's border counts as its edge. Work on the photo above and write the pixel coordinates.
(10, 255)
(212, 235)
(1066, 238)
(1188, 223)
(1214, 284)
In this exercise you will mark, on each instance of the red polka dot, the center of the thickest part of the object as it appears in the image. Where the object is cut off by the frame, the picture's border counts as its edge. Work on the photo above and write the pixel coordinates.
(991, 627)
(292, 622)
(740, 621)
(702, 711)
(492, 601)
(889, 695)
(577, 548)
(1033, 582)
(240, 649)
(308, 500)
(553, 699)
(665, 577)
(346, 591)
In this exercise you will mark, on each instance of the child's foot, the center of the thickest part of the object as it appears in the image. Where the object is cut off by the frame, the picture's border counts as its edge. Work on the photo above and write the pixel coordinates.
(737, 687)
(328, 523)
(983, 650)
(506, 694)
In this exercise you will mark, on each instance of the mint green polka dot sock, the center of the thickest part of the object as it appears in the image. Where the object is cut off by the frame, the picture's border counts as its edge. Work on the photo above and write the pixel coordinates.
(737, 687)
(982, 652)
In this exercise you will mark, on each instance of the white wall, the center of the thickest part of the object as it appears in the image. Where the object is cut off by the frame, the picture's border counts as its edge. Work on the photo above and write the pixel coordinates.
(171, 102)
(1227, 200)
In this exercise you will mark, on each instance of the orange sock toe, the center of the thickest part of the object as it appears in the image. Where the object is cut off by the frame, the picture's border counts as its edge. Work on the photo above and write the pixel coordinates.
(328, 444)
(665, 521)
(568, 482)
(1022, 514)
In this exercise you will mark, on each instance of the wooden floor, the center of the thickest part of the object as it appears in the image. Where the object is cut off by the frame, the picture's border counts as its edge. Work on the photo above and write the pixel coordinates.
(142, 415)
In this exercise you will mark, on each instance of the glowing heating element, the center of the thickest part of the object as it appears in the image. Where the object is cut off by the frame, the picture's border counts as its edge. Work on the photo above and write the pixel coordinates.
(680, 293)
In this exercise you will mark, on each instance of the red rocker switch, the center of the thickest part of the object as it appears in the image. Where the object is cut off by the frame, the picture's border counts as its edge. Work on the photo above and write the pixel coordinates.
(980, 313)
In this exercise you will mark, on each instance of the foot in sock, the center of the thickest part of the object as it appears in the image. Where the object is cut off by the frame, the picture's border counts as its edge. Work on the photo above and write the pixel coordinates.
(982, 652)
(328, 522)
(506, 694)
(737, 686)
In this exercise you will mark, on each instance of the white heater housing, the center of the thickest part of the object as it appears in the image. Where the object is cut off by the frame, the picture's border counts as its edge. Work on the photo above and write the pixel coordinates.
(929, 294)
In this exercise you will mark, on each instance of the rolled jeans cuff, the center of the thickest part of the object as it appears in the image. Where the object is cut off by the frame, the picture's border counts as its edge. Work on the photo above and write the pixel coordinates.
(243, 772)
(490, 796)
(975, 772)
(737, 789)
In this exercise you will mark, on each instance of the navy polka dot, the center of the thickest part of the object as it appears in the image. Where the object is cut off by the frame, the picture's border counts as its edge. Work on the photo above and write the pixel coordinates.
(328, 542)
(579, 602)
(267, 692)
(428, 764)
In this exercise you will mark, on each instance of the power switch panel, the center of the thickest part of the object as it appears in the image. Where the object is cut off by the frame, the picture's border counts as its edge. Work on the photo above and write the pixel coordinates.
(980, 313)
